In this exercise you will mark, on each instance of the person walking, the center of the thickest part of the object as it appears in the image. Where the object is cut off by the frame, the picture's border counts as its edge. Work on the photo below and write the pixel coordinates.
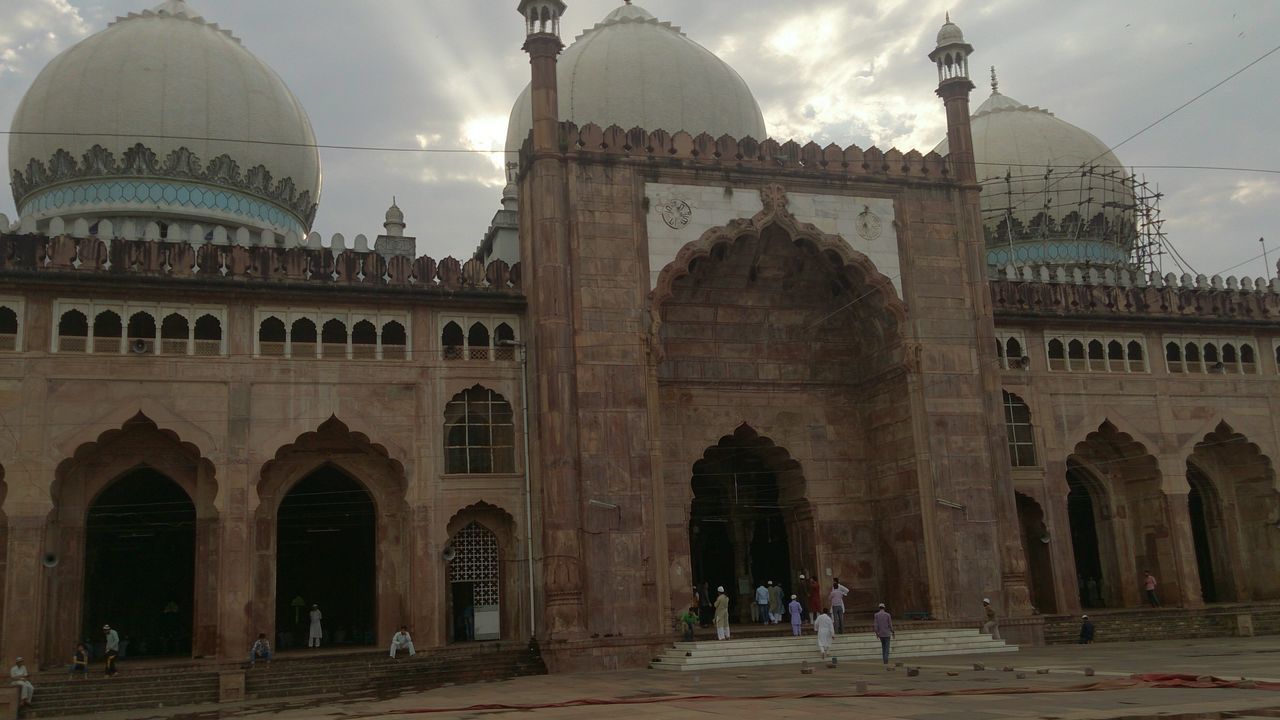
(882, 625)
(762, 604)
(1086, 630)
(402, 641)
(836, 600)
(722, 614)
(260, 650)
(795, 610)
(825, 627)
(19, 677)
(815, 598)
(1149, 582)
(775, 603)
(315, 632)
(80, 662)
(113, 649)
(990, 625)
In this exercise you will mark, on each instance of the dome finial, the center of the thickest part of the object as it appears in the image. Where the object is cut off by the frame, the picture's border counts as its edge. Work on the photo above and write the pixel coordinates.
(995, 84)
(948, 16)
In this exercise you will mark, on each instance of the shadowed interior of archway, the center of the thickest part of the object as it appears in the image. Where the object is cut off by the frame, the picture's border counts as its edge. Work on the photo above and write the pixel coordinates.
(745, 496)
(325, 544)
(140, 565)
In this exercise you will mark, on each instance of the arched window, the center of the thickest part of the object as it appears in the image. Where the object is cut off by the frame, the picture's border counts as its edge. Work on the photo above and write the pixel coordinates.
(504, 339)
(1210, 354)
(333, 339)
(142, 332)
(271, 337)
(73, 332)
(1173, 356)
(302, 338)
(1115, 356)
(1248, 363)
(451, 341)
(8, 328)
(209, 335)
(395, 343)
(1136, 361)
(174, 333)
(1017, 420)
(1097, 356)
(108, 329)
(1191, 354)
(1075, 356)
(1057, 355)
(478, 342)
(479, 433)
(364, 340)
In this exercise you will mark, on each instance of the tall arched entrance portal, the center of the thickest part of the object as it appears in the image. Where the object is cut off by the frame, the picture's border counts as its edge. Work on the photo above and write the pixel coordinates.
(749, 523)
(140, 544)
(325, 544)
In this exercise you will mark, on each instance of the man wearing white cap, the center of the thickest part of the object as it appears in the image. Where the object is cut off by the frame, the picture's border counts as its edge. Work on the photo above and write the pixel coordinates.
(990, 625)
(882, 623)
(113, 649)
(18, 677)
(1086, 630)
(722, 614)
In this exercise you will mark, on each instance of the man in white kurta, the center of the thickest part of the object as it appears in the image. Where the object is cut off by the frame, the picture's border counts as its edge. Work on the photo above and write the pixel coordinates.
(722, 614)
(826, 628)
(315, 633)
(402, 641)
(18, 676)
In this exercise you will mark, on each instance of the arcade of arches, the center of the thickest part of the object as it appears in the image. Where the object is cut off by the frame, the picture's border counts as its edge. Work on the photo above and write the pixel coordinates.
(1211, 539)
(135, 539)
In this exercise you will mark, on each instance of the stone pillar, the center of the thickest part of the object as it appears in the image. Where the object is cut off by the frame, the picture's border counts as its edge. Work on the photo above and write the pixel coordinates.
(1182, 544)
(25, 582)
(545, 238)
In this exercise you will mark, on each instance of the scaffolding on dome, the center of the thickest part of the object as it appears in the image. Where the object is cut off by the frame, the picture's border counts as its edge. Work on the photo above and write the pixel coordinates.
(1102, 204)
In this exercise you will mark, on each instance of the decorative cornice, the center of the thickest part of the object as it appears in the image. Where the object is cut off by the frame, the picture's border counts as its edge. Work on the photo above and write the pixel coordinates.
(181, 163)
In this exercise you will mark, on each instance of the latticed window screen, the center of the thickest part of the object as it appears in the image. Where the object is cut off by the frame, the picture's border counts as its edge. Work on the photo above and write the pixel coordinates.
(1017, 419)
(475, 561)
(480, 433)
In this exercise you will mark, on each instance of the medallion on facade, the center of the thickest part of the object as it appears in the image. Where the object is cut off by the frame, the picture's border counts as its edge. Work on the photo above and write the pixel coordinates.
(869, 225)
(676, 213)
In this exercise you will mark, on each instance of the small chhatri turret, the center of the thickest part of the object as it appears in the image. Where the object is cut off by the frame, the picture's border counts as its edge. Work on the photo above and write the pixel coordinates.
(394, 221)
(952, 58)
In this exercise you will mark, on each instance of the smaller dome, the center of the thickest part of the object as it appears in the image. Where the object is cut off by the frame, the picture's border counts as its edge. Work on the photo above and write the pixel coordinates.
(394, 213)
(950, 34)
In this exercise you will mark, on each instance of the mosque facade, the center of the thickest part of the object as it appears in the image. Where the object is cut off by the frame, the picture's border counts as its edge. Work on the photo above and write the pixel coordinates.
(684, 353)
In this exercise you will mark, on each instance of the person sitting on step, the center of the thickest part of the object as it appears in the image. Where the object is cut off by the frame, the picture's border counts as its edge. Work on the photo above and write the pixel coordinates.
(402, 641)
(261, 650)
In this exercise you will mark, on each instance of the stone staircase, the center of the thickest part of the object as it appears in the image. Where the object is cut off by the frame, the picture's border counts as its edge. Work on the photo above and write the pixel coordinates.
(363, 674)
(1165, 623)
(711, 654)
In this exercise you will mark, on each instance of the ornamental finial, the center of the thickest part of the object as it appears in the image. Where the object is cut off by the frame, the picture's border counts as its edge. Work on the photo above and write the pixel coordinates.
(948, 16)
(995, 84)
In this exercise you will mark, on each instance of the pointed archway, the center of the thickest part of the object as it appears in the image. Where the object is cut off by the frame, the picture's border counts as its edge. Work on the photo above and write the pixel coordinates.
(482, 593)
(1117, 513)
(1035, 542)
(135, 529)
(1234, 510)
(749, 522)
(331, 482)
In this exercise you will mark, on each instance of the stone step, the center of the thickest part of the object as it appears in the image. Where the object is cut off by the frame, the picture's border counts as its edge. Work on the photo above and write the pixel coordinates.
(701, 655)
(335, 675)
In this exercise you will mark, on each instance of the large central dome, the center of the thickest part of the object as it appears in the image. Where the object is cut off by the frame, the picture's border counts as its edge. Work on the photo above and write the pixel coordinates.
(164, 116)
(1051, 192)
(633, 71)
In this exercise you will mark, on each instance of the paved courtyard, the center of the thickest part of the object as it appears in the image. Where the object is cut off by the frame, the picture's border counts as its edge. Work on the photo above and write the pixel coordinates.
(783, 692)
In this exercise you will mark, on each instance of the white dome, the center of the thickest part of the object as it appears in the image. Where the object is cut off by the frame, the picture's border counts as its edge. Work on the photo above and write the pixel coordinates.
(632, 71)
(1019, 142)
(165, 79)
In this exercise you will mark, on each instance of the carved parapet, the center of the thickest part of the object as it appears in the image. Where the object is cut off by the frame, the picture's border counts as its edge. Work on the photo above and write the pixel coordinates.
(728, 152)
(253, 263)
(1089, 291)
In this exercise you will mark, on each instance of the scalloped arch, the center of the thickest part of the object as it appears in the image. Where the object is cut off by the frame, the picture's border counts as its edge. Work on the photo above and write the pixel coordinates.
(775, 214)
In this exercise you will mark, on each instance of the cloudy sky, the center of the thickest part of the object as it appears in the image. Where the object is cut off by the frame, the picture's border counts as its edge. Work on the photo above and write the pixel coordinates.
(415, 73)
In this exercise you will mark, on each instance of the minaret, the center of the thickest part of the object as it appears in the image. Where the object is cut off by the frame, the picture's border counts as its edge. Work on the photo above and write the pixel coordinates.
(952, 57)
(547, 261)
(394, 242)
